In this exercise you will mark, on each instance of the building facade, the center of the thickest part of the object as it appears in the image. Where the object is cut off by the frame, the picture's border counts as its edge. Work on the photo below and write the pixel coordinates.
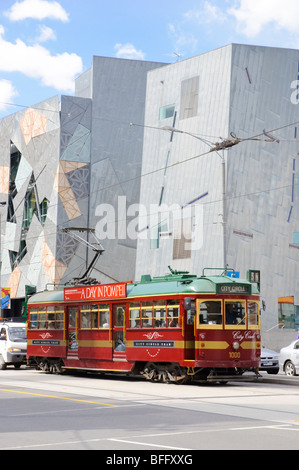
(239, 206)
(136, 155)
(61, 163)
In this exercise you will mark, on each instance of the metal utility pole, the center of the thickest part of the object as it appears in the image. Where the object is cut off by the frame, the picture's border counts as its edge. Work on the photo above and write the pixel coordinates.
(96, 247)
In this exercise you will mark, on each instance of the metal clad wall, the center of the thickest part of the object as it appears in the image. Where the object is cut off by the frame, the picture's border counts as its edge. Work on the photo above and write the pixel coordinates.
(118, 95)
(35, 134)
(260, 173)
(183, 181)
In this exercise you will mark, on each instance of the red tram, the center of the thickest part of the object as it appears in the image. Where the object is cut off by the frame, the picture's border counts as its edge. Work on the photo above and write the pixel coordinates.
(174, 328)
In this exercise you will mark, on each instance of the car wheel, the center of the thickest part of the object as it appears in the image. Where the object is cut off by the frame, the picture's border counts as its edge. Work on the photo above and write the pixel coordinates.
(289, 369)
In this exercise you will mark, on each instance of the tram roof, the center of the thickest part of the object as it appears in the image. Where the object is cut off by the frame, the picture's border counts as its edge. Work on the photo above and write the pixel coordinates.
(185, 284)
(170, 284)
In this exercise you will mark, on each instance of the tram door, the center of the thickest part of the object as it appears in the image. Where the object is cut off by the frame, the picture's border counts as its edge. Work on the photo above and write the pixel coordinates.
(189, 334)
(73, 318)
(119, 330)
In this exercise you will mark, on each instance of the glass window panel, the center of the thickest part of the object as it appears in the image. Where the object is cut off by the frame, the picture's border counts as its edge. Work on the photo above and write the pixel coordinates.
(296, 238)
(59, 315)
(119, 318)
(159, 314)
(33, 318)
(173, 313)
(235, 313)
(253, 313)
(104, 316)
(210, 312)
(147, 314)
(167, 111)
(94, 317)
(85, 318)
(134, 315)
(191, 313)
(189, 97)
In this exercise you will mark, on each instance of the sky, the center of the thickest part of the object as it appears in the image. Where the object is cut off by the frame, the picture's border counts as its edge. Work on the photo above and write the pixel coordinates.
(46, 44)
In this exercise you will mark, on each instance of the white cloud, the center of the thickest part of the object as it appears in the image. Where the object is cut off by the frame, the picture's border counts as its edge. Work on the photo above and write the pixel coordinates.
(46, 34)
(35, 61)
(208, 14)
(182, 38)
(128, 51)
(7, 94)
(37, 9)
(253, 15)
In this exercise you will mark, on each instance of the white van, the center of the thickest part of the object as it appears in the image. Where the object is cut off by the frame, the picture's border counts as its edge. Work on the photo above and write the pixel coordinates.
(13, 344)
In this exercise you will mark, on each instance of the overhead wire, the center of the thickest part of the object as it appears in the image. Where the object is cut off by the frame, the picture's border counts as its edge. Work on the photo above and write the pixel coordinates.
(129, 180)
(183, 162)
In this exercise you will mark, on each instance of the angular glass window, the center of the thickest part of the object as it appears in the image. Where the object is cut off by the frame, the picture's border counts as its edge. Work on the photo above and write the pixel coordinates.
(296, 238)
(167, 111)
(189, 97)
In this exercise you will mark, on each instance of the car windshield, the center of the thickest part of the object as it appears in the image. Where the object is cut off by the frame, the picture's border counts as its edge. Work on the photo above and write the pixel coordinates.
(17, 334)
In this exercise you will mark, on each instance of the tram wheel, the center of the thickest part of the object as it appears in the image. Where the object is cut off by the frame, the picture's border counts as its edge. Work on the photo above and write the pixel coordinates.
(164, 374)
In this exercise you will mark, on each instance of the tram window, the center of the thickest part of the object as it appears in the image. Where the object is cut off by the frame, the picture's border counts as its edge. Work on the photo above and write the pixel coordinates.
(51, 318)
(104, 316)
(235, 313)
(94, 316)
(134, 315)
(73, 312)
(191, 313)
(253, 314)
(85, 317)
(173, 313)
(159, 314)
(42, 318)
(147, 314)
(33, 318)
(210, 313)
(59, 321)
(119, 341)
(119, 316)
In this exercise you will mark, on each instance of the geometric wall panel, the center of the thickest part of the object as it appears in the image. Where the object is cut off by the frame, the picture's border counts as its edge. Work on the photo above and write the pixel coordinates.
(78, 148)
(79, 182)
(4, 179)
(66, 247)
(54, 268)
(14, 282)
(66, 194)
(24, 171)
(33, 124)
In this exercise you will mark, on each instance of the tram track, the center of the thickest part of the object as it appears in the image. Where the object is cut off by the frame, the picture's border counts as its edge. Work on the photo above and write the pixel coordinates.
(125, 388)
(145, 415)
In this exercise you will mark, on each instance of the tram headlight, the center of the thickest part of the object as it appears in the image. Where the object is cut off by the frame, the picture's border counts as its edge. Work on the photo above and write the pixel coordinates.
(236, 345)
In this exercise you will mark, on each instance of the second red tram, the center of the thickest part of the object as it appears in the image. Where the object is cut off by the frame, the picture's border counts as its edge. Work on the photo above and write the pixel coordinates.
(173, 328)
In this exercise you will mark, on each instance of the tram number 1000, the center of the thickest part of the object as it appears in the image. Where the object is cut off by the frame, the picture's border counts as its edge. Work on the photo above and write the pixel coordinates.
(234, 355)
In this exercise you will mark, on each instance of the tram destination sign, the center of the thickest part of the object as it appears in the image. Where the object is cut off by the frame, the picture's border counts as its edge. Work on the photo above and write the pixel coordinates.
(97, 292)
(233, 289)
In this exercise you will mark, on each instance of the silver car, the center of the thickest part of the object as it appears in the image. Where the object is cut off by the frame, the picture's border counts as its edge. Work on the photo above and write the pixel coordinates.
(289, 358)
(269, 361)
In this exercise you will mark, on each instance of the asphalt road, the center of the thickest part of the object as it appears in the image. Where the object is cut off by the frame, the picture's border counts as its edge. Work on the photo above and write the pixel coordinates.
(89, 412)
